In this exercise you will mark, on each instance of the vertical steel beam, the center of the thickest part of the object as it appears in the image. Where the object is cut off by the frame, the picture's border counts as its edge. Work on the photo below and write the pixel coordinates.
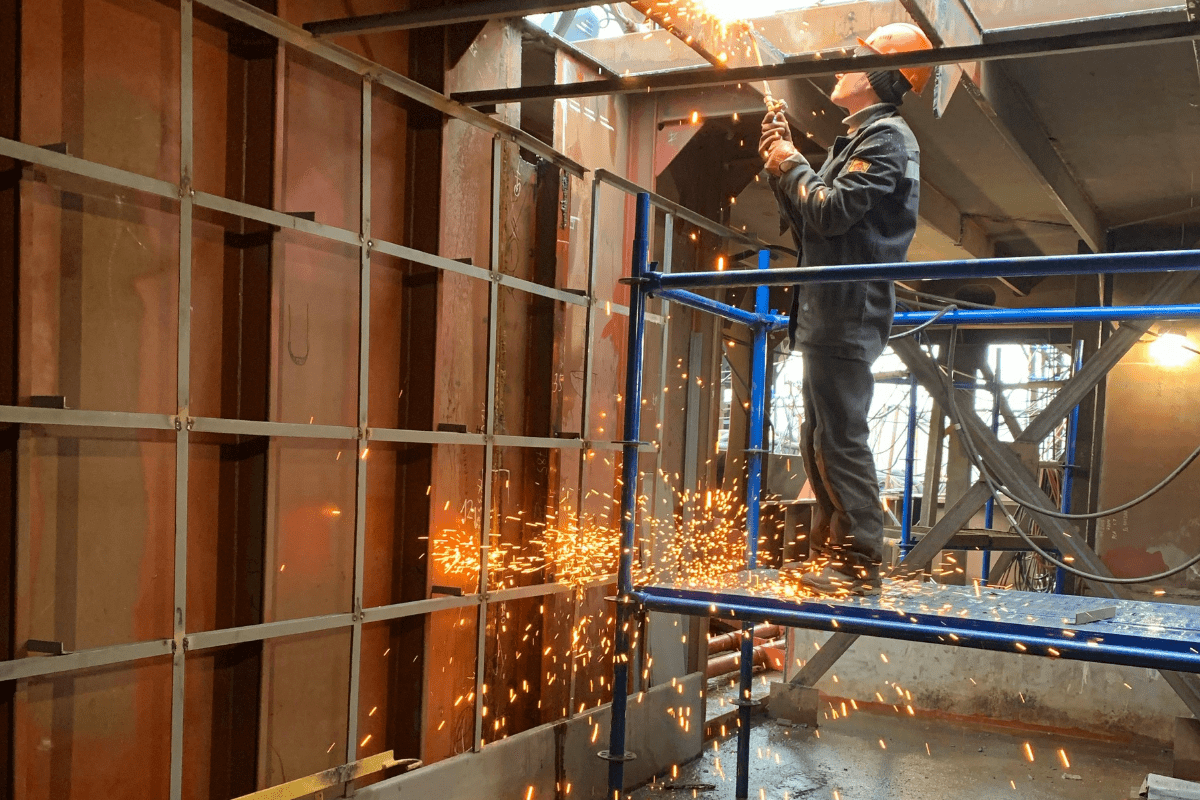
(758, 402)
(616, 754)
(660, 487)
(489, 447)
(585, 422)
(182, 395)
(990, 509)
(360, 473)
(586, 407)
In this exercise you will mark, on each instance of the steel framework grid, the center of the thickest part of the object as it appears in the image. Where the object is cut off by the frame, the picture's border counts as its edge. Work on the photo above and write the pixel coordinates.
(184, 424)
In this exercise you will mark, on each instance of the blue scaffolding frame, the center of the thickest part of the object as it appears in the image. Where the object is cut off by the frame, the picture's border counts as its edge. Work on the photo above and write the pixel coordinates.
(1161, 636)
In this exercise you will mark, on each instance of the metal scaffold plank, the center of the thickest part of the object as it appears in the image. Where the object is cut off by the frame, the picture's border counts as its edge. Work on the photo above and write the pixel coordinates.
(1140, 634)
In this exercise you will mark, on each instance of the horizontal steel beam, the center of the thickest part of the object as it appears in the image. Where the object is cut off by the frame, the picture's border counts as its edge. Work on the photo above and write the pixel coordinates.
(267, 630)
(441, 15)
(35, 666)
(292, 430)
(26, 415)
(1165, 261)
(416, 608)
(673, 80)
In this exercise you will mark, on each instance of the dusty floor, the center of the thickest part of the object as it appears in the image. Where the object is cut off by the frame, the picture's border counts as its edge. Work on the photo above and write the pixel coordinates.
(876, 756)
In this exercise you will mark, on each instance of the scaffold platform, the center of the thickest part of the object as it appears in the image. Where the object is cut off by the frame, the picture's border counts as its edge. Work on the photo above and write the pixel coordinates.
(1126, 632)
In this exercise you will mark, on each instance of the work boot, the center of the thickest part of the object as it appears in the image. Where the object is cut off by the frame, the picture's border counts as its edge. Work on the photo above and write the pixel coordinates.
(833, 581)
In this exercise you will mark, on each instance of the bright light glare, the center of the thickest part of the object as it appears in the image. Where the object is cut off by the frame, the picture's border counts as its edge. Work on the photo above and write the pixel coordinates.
(1172, 350)
(733, 10)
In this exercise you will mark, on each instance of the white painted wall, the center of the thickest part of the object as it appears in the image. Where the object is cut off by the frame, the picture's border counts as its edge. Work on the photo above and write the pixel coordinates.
(1098, 698)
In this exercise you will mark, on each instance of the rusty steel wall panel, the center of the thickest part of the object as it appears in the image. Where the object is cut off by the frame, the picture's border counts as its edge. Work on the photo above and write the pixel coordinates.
(113, 105)
(97, 733)
(305, 683)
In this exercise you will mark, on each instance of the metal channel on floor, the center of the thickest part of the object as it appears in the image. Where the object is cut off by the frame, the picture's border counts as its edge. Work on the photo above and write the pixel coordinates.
(1105, 630)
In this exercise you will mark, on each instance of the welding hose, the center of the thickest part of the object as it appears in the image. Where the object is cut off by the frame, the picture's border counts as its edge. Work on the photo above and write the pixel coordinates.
(1108, 512)
(925, 324)
(973, 454)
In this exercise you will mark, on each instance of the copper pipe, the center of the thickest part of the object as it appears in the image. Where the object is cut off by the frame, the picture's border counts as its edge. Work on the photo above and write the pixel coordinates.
(730, 662)
(732, 641)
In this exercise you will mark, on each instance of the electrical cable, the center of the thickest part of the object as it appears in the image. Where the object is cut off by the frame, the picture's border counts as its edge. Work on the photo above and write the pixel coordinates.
(973, 454)
(923, 325)
(1108, 512)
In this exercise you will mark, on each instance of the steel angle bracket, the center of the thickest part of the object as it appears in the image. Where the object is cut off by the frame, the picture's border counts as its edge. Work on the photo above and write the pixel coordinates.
(335, 776)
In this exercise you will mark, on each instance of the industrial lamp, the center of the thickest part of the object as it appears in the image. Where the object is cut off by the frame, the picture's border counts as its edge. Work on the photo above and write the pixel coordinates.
(1172, 348)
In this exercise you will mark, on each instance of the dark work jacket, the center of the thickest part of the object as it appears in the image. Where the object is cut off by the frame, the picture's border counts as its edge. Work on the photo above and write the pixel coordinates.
(860, 208)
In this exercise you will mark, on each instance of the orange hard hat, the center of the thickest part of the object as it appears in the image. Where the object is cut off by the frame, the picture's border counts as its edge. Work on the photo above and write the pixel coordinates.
(902, 37)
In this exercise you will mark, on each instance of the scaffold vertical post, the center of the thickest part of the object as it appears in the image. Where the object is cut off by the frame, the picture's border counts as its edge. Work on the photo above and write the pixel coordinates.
(754, 453)
(616, 753)
(1068, 481)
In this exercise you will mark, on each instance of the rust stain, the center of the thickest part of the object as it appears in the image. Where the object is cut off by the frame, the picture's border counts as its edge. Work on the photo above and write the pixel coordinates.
(1130, 562)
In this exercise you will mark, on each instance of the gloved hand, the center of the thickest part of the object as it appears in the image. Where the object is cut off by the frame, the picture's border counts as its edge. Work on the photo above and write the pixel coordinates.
(774, 129)
(777, 153)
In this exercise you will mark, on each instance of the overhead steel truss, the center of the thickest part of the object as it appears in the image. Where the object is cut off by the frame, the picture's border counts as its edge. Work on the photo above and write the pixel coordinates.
(441, 15)
(808, 67)
(1161, 636)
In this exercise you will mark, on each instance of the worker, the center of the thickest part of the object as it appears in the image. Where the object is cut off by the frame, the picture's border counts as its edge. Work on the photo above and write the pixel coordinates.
(860, 207)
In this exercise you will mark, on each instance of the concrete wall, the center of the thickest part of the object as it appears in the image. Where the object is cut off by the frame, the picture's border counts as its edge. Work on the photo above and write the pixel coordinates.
(1150, 426)
(1122, 702)
(549, 757)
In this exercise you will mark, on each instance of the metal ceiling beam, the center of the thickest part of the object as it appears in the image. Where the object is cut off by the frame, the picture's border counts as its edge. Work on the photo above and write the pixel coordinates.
(806, 105)
(1010, 111)
(430, 17)
(675, 80)
(1123, 21)
(948, 23)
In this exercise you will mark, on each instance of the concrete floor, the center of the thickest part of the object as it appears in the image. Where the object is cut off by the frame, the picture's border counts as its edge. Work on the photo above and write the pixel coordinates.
(924, 759)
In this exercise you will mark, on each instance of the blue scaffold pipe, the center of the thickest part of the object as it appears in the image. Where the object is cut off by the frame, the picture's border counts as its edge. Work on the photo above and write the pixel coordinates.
(1035, 316)
(1162, 261)
(758, 402)
(629, 473)
(1068, 482)
(892, 626)
(702, 303)
(909, 469)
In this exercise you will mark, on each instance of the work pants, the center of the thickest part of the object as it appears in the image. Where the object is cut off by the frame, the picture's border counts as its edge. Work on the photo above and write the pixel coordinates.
(848, 518)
